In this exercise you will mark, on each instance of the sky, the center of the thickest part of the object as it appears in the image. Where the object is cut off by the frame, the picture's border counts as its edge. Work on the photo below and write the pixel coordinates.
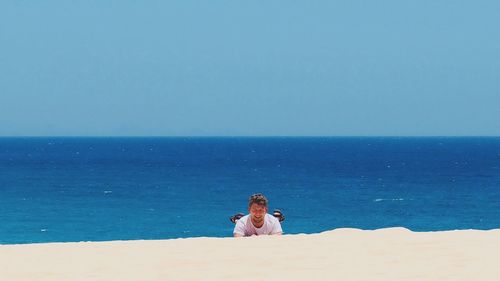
(249, 68)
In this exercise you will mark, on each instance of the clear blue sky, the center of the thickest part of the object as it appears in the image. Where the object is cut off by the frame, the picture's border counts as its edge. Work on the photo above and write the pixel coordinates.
(249, 68)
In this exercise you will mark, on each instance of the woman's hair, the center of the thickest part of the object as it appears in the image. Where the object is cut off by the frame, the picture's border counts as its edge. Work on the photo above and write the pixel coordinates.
(258, 199)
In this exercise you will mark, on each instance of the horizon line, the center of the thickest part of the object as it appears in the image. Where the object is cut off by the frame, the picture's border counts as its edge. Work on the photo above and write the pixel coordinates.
(257, 136)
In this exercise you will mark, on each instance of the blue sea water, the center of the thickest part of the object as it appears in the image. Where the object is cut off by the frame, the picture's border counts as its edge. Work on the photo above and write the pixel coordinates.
(96, 189)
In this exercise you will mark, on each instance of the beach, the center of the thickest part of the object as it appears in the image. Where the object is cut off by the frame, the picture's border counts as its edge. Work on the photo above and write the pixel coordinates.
(341, 254)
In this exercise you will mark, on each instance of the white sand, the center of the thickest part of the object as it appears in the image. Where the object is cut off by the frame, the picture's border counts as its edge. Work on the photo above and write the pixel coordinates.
(342, 254)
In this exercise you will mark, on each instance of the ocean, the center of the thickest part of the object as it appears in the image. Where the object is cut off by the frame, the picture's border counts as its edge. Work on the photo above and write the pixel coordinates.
(99, 189)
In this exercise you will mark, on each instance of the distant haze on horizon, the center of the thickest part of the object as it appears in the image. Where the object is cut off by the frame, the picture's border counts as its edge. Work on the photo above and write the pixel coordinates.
(249, 68)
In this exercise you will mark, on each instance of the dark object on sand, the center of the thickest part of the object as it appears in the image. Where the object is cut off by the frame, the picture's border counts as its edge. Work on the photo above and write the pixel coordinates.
(236, 217)
(279, 215)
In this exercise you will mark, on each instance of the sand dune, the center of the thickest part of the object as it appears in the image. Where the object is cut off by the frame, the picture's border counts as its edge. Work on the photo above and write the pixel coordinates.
(341, 254)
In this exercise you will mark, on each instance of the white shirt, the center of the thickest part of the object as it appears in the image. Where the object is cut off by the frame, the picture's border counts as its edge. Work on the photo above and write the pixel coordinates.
(245, 227)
